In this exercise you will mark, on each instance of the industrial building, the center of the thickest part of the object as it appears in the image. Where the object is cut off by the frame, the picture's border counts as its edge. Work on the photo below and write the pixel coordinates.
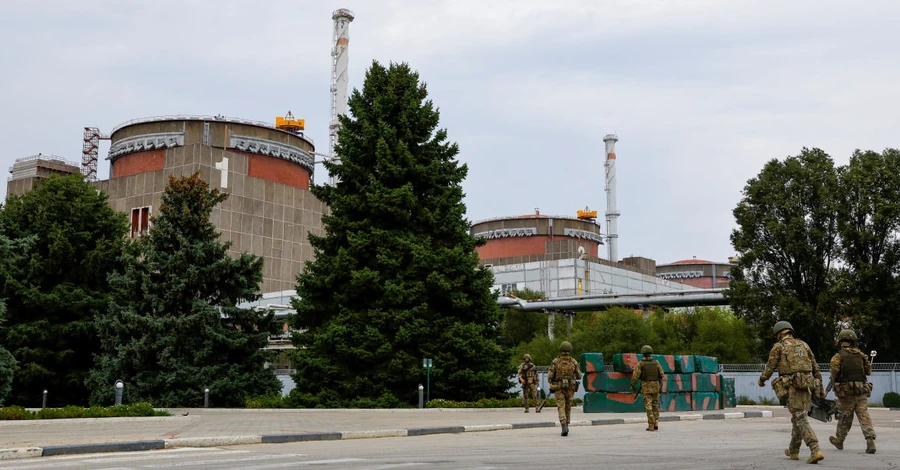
(698, 273)
(560, 255)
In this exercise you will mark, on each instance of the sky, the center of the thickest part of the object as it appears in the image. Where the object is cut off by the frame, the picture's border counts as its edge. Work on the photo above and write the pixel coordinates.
(701, 93)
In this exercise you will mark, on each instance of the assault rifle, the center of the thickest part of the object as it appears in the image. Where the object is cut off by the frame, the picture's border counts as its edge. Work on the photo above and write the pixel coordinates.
(823, 410)
(546, 397)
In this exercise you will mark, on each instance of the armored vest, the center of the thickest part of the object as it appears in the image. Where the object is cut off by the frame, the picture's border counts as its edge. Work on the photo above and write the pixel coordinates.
(852, 366)
(794, 357)
(649, 370)
(529, 372)
(565, 369)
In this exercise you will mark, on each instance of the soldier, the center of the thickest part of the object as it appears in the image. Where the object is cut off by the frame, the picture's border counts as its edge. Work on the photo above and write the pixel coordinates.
(849, 368)
(528, 377)
(798, 378)
(563, 376)
(651, 375)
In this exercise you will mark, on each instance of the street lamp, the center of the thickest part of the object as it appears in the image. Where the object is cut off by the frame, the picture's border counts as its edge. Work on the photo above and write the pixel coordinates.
(119, 389)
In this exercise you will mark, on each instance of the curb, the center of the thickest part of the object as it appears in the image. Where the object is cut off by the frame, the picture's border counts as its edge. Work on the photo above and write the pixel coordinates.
(47, 451)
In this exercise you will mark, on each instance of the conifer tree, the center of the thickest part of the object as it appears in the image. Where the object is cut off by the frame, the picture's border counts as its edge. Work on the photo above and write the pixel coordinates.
(396, 279)
(174, 328)
(56, 287)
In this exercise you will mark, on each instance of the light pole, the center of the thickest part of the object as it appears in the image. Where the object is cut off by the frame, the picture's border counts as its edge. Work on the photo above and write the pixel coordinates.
(119, 389)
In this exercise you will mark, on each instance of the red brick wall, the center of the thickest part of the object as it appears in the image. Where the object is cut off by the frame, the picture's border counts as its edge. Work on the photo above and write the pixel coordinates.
(278, 170)
(140, 162)
(505, 247)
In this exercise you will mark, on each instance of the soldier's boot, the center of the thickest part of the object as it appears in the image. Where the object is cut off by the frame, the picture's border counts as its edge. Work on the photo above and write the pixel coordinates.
(836, 442)
(793, 454)
(526, 410)
(565, 429)
(870, 446)
(815, 456)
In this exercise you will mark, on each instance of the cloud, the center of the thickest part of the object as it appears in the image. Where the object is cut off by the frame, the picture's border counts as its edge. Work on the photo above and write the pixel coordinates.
(701, 93)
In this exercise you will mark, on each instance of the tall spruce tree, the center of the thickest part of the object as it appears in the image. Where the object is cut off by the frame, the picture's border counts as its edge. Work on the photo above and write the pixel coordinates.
(174, 328)
(396, 279)
(54, 292)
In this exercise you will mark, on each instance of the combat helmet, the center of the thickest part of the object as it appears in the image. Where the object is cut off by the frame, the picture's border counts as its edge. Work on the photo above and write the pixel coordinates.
(565, 346)
(527, 357)
(782, 325)
(646, 350)
(847, 335)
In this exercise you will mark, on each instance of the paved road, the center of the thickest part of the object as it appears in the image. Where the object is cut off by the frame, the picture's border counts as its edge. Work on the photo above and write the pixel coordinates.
(737, 444)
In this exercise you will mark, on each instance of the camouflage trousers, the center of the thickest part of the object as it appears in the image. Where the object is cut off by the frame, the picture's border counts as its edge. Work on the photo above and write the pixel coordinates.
(564, 404)
(848, 405)
(799, 402)
(651, 406)
(529, 392)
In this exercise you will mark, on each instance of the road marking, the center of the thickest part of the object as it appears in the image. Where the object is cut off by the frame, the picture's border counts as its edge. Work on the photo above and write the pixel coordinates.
(164, 455)
(297, 464)
(220, 461)
(391, 465)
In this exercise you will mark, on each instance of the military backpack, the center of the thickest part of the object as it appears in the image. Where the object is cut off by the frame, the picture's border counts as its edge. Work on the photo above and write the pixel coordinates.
(565, 374)
(794, 357)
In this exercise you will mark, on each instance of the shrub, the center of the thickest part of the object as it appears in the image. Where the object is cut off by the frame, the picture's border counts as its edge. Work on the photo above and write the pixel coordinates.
(891, 400)
(137, 409)
(272, 400)
(488, 403)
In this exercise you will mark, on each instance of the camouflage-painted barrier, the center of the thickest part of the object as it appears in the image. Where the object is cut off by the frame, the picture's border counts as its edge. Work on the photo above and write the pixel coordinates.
(603, 402)
(705, 383)
(678, 383)
(626, 362)
(591, 362)
(675, 402)
(730, 400)
(705, 400)
(609, 382)
(684, 364)
(706, 364)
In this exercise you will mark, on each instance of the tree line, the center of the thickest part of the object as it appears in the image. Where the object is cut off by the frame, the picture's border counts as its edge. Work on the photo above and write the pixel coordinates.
(818, 246)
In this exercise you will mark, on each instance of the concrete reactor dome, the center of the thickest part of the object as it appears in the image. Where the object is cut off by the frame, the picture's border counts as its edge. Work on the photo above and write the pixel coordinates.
(151, 144)
(537, 236)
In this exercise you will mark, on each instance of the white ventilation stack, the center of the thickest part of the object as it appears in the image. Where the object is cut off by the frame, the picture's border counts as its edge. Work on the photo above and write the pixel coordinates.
(339, 64)
(612, 213)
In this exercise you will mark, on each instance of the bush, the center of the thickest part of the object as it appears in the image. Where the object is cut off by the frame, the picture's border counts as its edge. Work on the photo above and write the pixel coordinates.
(891, 400)
(119, 411)
(272, 400)
(745, 400)
(489, 403)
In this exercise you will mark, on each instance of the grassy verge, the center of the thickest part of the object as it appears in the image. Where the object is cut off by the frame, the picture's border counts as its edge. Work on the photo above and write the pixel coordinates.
(138, 409)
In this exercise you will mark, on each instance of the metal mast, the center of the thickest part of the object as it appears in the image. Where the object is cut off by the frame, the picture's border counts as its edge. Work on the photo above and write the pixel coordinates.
(339, 63)
(612, 213)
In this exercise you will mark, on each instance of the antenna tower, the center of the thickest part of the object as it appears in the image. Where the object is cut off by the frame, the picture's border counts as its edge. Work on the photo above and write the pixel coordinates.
(339, 64)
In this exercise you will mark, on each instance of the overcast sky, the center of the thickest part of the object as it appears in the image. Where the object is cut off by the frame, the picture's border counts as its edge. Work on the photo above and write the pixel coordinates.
(700, 92)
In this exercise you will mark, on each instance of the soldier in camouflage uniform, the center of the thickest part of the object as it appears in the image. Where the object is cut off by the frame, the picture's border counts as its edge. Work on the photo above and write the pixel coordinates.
(651, 375)
(849, 368)
(563, 376)
(528, 377)
(798, 379)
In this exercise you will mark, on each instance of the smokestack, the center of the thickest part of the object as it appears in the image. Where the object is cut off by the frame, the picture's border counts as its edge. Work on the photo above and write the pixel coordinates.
(612, 213)
(339, 65)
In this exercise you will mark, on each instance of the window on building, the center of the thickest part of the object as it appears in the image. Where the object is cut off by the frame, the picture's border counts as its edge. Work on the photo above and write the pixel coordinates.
(140, 221)
(507, 288)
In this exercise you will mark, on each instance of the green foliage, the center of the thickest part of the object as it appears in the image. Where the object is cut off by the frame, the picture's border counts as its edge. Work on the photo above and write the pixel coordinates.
(71, 411)
(8, 363)
(522, 327)
(787, 241)
(818, 247)
(891, 400)
(271, 400)
(396, 279)
(712, 331)
(54, 292)
(174, 328)
(490, 403)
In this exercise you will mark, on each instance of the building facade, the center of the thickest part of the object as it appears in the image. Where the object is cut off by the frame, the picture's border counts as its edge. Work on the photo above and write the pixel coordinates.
(559, 256)
(266, 172)
(697, 273)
